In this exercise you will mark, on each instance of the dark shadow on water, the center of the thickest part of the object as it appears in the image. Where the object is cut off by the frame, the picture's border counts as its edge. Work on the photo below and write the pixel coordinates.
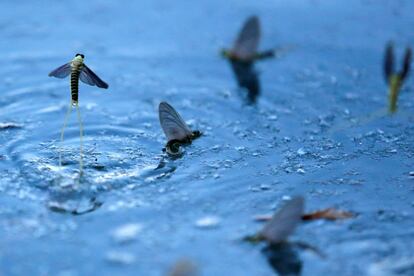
(283, 258)
(247, 77)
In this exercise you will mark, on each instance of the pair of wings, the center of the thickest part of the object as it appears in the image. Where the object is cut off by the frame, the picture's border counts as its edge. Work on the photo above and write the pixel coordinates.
(389, 67)
(86, 75)
(172, 124)
(284, 222)
(247, 41)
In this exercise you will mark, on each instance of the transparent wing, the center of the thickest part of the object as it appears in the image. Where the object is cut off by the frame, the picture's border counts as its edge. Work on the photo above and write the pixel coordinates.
(171, 122)
(247, 41)
(284, 222)
(61, 72)
(388, 62)
(406, 65)
(89, 77)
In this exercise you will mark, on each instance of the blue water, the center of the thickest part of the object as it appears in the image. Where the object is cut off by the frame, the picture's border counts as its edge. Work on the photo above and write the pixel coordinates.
(318, 129)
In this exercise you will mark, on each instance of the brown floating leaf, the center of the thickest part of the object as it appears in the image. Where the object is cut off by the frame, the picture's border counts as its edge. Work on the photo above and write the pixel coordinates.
(329, 214)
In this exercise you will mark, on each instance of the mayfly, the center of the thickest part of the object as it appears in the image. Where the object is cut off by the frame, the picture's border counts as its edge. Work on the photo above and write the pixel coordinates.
(395, 79)
(243, 55)
(77, 70)
(176, 130)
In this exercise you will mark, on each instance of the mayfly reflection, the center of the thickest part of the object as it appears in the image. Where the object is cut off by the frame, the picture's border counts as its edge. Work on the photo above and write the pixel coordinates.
(176, 130)
(77, 70)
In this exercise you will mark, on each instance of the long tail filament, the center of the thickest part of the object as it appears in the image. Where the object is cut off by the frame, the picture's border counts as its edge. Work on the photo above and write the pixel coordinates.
(81, 140)
(63, 132)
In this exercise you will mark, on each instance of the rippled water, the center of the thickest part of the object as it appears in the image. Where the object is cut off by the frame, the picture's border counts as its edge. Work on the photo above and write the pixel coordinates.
(318, 129)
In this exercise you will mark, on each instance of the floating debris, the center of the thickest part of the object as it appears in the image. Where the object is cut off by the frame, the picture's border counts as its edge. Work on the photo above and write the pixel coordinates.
(127, 232)
(328, 214)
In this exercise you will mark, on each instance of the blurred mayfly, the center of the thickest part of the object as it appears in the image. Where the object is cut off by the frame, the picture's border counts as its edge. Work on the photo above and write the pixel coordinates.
(176, 130)
(277, 231)
(243, 55)
(77, 70)
(395, 79)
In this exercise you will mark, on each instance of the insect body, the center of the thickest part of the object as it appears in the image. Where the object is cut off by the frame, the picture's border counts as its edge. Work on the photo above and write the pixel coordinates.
(176, 130)
(395, 79)
(77, 70)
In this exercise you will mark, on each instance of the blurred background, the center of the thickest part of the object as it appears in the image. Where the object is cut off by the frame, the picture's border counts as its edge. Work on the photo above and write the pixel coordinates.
(315, 130)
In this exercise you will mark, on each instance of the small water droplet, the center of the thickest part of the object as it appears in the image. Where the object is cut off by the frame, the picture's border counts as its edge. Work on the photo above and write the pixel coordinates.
(208, 222)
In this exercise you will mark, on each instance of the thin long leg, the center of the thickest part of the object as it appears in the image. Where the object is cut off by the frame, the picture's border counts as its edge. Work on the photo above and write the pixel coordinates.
(81, 140)
(63, 131)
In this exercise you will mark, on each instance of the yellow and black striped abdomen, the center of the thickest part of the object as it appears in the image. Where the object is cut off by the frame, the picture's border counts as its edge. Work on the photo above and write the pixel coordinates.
(74, 84)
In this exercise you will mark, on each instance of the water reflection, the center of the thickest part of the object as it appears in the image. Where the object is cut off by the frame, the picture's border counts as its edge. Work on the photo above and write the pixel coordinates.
(72, 201)
(247, 77)
(283, 258)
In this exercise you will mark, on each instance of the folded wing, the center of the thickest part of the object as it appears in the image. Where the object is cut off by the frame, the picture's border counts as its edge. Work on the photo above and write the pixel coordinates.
(171, 122)
(247, 41)
(284, 222)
